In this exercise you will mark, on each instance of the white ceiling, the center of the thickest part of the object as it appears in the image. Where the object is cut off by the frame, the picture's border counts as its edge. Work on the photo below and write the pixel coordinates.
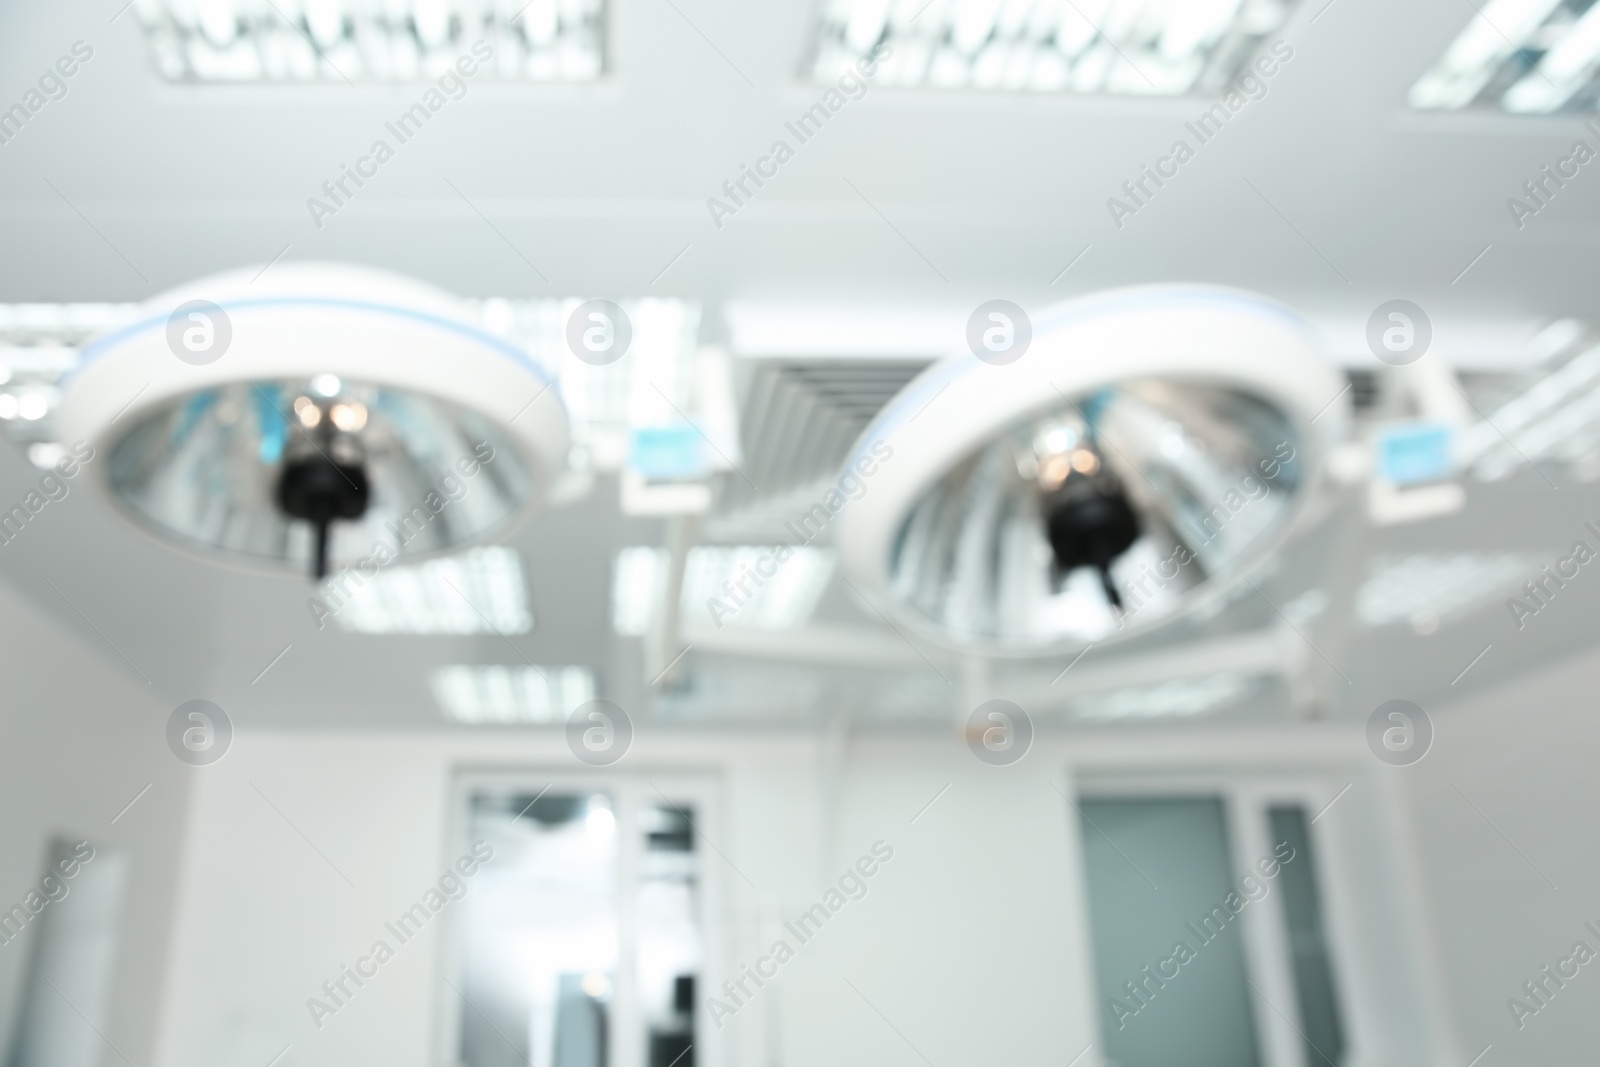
(600, 187)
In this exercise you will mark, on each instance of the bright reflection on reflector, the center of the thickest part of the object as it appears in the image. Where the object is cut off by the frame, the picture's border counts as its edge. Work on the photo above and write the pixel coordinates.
(1128, 527)
(317, 426)
(206, 468)
(1150, 447)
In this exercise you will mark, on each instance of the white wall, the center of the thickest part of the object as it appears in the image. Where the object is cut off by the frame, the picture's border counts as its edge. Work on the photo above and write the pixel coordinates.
(970, 942)
(976, 909)
(1526, 756)
(269, 914)
(82, 737)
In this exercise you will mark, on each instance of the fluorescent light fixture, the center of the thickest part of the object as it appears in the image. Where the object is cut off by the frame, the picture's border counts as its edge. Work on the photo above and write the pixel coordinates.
(637, 580)
(732, 585)
(493, 695)
(1304, 608)
(723, 585)
(1426, 587)
(54, 324)
(480, 591)
(38, 344)
(1138, 47)
(1178, 699)
(1555, 416)
(1524, 56)
(46, 454)
(1555, 340)
(308, 41)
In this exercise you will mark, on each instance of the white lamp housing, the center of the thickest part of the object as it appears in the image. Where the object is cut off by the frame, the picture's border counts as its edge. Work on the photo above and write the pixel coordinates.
(196, 410)
(1146, 450)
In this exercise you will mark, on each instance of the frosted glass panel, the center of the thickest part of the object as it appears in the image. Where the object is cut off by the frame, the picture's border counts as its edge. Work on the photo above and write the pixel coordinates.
(1320, 1026)
(67, 991)
(670, 940)
(540, 938)
(1169, 958)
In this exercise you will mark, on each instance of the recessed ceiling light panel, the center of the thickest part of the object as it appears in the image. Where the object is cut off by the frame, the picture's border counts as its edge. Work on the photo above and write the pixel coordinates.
(340, 41)
(1523, 56)
(1135, 47)
(302, 418)
(722, 585)
(1439, 585)
(499, 695)
(480, 591)
(1147, 449)
(1177, 699)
